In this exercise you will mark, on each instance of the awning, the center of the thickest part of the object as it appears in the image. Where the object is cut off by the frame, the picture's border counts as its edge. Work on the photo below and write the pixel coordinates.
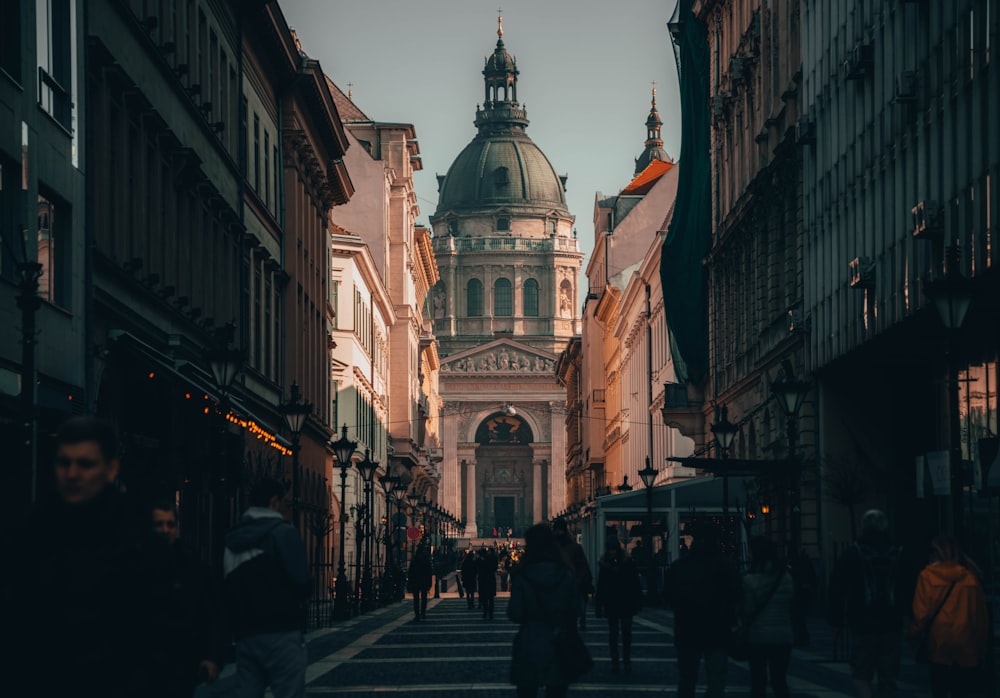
(682, 494)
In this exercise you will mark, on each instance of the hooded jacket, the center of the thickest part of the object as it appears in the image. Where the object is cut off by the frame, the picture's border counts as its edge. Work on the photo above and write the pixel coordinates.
(543, 598)
(266, 574)
(959, 632)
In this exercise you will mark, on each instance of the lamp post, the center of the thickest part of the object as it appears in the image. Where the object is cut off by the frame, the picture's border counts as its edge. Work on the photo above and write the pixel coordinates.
(725, 432)
(367, 468)
(648, 475)
(225, 363)
(387, 482)
(790, 393)
(296, 410)
(952, 296)
(343, 449)
(398, 494)
(624, 487)
(28, 302)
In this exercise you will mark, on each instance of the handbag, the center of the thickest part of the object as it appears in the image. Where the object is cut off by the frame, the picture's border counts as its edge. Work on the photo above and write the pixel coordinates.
(571, 653)
(921, 655)
(738, 646)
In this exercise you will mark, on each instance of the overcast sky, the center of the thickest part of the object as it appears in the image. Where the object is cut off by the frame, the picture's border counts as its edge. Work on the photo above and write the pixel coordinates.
(586, 70)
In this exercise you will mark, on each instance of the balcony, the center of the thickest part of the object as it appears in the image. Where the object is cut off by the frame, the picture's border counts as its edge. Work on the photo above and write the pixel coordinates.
(683, 409)
(448, 244)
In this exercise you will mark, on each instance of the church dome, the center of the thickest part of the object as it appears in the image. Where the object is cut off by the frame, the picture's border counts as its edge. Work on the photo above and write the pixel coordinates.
(501, 167)
(501, 170)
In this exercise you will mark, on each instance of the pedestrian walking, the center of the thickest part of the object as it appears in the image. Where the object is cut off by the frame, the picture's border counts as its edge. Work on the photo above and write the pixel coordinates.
(951, 620)
(574, 556)
(419, 579)
(74, 601)
(766, 611)
(470, 575)
(868, 593)
(186, 619)
(543, 602)
(486, 581)
(618, 598)
(266, 585)
(704, 590)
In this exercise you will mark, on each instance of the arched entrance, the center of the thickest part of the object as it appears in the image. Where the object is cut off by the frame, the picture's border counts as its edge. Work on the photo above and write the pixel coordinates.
(504, 462)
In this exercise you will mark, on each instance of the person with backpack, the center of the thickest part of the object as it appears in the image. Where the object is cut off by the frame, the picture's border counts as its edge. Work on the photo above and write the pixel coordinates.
(868, 594)
(951, 619)
(266, 583)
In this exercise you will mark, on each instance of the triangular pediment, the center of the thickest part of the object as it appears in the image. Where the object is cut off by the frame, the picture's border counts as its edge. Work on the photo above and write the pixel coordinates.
(500, 356)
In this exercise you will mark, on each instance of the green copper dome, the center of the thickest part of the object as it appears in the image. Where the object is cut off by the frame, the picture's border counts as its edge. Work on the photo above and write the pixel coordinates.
(501, 167)
(501, 170)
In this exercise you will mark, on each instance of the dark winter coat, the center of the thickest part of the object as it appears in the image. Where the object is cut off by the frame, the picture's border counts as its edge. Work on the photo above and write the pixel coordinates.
(470, 572)
(486, 574)
(186, 619)
(266, 575)
(869, 589)
(619, 591)
(74, 601)
(574, 556)
(704, 589)
(543, 597)
(767, 604)
(420, 574)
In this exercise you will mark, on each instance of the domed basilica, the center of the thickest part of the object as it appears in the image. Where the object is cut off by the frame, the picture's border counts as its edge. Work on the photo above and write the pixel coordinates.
(503, 311)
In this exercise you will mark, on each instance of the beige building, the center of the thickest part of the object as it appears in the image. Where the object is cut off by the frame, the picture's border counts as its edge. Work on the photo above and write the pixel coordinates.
(503, 310)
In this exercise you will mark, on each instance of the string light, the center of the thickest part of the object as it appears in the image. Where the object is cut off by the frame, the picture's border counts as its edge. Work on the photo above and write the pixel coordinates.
(260, 432)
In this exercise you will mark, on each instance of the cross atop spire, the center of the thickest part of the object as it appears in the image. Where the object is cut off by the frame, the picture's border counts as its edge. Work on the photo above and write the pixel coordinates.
(350, 90)
(499, 22)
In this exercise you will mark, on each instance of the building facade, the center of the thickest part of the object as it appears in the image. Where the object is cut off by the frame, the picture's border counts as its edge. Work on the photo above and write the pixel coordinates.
(44, 290)
(503, 310)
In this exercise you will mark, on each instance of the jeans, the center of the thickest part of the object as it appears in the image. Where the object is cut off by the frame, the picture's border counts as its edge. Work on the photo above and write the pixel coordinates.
(770, 660)
(625, 622)
(420, 604)
(716, 667)
(277, 660)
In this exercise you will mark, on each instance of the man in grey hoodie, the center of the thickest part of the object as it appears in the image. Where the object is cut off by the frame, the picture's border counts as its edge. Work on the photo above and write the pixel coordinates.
(267, 582)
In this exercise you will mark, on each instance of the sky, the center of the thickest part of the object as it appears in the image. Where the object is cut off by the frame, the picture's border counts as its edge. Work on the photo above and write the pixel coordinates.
(586, 73)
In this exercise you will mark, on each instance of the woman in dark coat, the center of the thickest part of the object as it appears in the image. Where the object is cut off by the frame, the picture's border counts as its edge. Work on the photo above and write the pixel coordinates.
(543, 598)
(618, 598)
(487, 581)
(470, 571)
(419, 581)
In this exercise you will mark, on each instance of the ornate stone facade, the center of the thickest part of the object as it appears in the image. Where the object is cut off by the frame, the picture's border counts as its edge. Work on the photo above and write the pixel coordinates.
(504, 308)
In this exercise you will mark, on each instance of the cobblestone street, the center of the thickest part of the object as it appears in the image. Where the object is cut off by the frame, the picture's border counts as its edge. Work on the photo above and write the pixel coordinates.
(456, 653)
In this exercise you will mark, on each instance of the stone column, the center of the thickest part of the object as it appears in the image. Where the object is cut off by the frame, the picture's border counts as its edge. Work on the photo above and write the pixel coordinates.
(536, 490)
(471, 491)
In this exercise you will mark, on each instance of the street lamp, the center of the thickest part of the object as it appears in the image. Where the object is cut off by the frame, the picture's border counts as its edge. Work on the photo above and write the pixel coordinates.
(295, 411)
(648, 475)
(624, 487)
(367, 468)
(790, 392)
(343, 449)
(387, 482)
(28, 301)
(725, 432)
(225, 362)
(952, 296)
(398, 494)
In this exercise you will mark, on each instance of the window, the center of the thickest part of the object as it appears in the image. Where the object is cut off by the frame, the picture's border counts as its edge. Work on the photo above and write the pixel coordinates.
(474, 298)
(503, 224)
(53, 250)
(334, 300)
(267, 168)
(10, 39)
(56, 35)
(530, 300)
(503, 298)
(256, 153)
(500, 177)
(453, 227)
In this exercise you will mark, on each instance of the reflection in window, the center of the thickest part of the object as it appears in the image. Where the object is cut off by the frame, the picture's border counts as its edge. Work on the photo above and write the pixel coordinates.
(530, 298)
(474, 298)
(53, 251)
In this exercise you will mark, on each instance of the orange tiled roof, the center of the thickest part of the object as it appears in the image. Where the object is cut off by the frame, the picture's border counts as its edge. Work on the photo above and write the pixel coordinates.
(645, 180)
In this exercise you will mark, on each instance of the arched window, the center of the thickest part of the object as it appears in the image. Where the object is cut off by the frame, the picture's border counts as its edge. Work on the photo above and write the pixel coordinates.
(503, 298)
(530, 300)
(474, 298)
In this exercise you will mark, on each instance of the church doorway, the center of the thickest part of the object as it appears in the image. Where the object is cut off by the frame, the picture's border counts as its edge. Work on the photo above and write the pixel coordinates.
(504, 475)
